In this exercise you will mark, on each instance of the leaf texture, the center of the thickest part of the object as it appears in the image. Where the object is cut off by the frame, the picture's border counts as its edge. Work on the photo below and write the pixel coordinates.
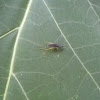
(28, 73)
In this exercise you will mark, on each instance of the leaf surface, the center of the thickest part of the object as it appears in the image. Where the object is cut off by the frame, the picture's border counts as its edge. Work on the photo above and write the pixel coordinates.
(28, 73)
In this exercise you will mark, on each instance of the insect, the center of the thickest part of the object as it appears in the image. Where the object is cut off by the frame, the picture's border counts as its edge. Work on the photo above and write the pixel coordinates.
(53, 46)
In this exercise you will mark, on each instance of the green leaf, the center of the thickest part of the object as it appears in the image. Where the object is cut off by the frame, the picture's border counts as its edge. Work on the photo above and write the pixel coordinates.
(28, 73)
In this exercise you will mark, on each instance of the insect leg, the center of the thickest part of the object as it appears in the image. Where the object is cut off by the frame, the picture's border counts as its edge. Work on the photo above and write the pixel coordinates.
(48, 42)
(51, 48)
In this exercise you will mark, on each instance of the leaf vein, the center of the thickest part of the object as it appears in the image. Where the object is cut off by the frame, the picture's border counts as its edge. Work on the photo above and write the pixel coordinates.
(20, 86)
(9, 32)
(93, 9)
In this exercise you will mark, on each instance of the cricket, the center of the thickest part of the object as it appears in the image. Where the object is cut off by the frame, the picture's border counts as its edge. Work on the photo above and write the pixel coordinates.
(52, 46)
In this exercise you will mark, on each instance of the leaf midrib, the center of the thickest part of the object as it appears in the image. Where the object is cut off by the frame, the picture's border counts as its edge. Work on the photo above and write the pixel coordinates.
(14, 50)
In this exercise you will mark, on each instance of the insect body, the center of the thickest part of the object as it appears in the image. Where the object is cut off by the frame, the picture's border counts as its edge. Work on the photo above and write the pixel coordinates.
(53, 46)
